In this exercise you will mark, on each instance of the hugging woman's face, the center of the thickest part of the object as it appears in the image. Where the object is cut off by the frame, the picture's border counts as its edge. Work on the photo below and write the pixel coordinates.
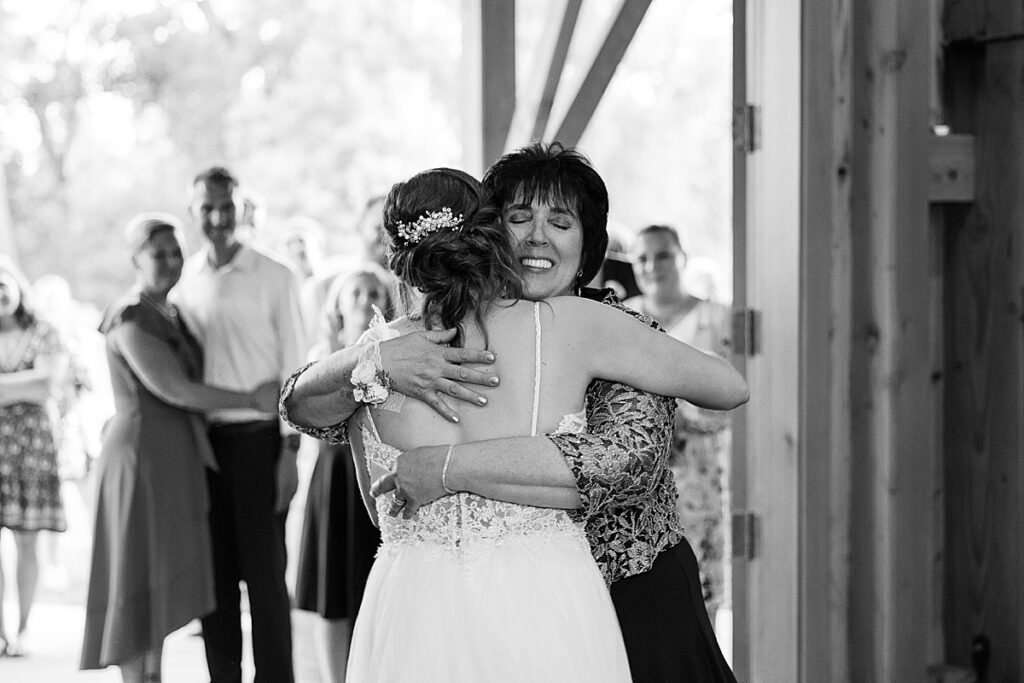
(548, 239)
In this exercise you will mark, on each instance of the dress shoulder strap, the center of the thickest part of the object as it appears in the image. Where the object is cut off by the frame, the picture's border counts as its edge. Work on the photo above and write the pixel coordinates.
(536, 367)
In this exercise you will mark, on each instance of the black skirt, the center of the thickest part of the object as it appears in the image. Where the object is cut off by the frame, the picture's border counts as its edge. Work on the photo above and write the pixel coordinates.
(665, 625)
(338, 539)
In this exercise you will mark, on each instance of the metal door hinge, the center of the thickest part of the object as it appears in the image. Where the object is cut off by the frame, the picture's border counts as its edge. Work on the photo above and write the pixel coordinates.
(746, 534)
(746, 331)
(746, 127)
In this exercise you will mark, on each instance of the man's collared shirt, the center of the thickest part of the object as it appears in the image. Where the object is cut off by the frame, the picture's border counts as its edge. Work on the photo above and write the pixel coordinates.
(246, 316)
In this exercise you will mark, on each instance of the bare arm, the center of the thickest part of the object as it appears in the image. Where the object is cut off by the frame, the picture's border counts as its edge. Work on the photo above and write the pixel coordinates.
(528, 470)
(321, 395)
(620, 348)
(363, 475)
(160, 371)
(35, 385)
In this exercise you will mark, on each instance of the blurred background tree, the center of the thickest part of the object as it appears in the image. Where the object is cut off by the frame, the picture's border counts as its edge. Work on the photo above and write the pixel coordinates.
(109, 107)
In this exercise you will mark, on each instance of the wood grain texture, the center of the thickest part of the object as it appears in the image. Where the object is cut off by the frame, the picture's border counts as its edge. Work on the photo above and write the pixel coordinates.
(825, 285)
(987, 20)
(984, 408)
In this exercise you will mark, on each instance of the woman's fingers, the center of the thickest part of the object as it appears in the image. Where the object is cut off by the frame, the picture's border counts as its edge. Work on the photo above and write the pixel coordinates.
(383, 485)
(456, 390)
(435, 401)
(460, 373)
(467, 355)
(396, 507)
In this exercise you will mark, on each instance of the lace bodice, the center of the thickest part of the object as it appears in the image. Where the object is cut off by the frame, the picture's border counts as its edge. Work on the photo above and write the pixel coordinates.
(465, 523)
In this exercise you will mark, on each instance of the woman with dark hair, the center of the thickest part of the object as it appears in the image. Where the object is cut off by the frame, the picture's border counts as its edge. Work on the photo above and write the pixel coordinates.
(32, 365)
(501, 587)
(618, 468)
(152, 567)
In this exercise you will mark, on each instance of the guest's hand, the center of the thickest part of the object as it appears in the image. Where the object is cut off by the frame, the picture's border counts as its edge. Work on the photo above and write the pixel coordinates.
(287, 475)
(422, 367)
(264, 397)
(415, 479)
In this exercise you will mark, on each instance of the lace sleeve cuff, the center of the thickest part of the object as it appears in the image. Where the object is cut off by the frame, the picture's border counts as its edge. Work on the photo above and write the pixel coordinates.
(335, 434)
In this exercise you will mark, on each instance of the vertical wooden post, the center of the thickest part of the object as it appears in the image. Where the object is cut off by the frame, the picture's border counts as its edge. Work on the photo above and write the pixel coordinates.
(621, 33)
(739, 452)
(498, 33)
(489, 58)
(767, 596)
(984, 408)
(894, 346)
(825, 339)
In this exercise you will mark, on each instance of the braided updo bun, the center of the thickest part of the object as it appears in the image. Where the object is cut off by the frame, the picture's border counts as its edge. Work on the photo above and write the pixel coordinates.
(445, 240)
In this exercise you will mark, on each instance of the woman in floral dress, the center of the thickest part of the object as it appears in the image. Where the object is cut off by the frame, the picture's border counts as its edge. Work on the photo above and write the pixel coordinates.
(32, 363)
(700, 449)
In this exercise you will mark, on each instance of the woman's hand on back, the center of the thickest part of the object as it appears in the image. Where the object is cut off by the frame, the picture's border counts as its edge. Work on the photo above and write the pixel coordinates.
(421, 366)
(416, 478)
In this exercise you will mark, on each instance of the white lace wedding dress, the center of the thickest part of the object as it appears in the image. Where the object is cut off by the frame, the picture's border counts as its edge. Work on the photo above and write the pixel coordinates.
(483, 591)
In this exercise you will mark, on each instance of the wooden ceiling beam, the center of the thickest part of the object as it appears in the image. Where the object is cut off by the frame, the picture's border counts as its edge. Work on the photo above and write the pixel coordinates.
(535, 98)
(607, 59)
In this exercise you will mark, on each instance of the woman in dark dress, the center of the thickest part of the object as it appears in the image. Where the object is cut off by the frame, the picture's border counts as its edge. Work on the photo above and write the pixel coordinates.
(338, 539)
(152, 568)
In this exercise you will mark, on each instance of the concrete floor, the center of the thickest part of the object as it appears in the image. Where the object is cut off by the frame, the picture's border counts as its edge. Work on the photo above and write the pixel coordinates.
(54, 641)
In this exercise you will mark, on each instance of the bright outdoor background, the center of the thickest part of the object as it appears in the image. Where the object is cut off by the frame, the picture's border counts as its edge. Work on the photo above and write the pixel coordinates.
(109, 107)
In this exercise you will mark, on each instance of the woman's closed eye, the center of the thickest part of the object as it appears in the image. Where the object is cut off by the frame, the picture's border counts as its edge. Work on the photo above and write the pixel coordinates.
(517, 217)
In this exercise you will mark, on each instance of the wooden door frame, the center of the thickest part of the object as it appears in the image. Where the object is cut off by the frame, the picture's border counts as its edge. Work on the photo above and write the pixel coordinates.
(868, 446)
(766, 445)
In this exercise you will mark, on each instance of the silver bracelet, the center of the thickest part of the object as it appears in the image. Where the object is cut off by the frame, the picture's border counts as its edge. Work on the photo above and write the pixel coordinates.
(444, 471)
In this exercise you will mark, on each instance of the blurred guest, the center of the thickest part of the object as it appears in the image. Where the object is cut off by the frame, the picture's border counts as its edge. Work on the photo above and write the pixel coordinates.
(32, 366)
(313, 294)
(53, 301)
(338, 539)
(303, 244)
(152, 566)
(371, 229)
(245, 308)
(703, 437)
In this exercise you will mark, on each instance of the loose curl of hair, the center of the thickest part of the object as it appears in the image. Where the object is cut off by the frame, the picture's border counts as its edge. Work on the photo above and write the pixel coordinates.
(458, 272)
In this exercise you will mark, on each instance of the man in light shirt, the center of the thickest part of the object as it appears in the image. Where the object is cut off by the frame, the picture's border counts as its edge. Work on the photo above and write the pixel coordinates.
(243, 305)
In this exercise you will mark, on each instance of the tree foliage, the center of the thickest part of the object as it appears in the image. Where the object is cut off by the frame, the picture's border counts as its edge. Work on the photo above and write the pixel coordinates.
(109, 107)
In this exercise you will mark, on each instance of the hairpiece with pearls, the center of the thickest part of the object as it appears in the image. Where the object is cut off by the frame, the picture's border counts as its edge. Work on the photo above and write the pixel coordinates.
(429, 223)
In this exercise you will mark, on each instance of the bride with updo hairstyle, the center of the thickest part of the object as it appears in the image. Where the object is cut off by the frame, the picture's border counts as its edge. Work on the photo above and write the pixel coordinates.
(498, 584)
(458, 272)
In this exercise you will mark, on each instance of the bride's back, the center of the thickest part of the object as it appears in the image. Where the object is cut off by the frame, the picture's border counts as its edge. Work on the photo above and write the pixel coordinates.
(511, 335)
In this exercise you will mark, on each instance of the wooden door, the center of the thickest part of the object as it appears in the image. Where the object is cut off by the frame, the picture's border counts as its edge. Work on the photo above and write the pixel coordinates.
(984, 299)
(766, 219)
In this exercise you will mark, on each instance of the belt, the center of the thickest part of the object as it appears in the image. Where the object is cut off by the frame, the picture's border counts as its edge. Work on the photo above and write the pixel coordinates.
(244, 427)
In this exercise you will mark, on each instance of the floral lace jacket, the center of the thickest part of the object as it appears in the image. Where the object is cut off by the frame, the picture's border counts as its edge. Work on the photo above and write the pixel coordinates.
(620, 465)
